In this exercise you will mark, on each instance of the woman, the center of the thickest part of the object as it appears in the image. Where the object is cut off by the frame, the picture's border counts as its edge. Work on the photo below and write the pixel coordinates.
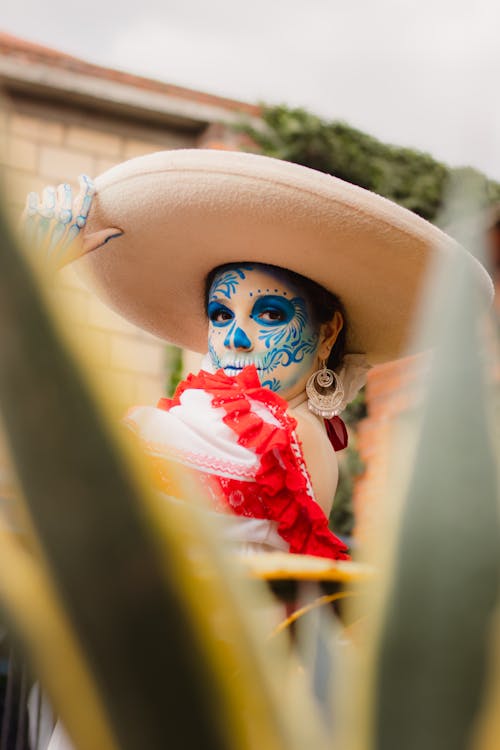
(165, 229)
(245, 425)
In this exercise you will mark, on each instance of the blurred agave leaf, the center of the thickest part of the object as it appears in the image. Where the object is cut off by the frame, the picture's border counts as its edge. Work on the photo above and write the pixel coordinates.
(319, 641)
(165, 675)
(433, 648)
(31, 605)
(487, 734)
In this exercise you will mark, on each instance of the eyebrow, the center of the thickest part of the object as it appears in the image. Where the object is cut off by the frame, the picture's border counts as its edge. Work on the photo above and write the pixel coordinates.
(219, 300)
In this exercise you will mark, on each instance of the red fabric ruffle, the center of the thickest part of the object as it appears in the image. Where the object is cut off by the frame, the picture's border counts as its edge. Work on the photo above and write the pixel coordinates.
(281, 491)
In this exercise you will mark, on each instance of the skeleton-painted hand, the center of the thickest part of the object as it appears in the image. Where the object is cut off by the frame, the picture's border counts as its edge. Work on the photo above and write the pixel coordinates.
(52, 225)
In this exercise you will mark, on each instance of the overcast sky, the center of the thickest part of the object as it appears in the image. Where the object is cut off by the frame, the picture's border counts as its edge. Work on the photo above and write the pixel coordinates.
(420, 73)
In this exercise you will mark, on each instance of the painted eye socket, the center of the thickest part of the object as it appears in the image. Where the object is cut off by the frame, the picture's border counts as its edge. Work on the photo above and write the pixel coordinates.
(273, 310)
(219, 314)
(272, 315)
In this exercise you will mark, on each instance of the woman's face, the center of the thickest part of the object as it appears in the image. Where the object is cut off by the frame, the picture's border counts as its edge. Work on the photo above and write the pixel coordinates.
(256, 317)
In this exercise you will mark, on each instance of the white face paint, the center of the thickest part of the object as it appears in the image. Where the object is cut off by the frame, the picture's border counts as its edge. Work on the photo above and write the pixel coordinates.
(258, 318)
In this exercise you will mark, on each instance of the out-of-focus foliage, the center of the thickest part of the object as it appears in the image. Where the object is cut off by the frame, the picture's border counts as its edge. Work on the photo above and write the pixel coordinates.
(129, 572)
(174, 369)
(356, 410)
(342, 518)
(409, 177)
(435, 648)
(454, 217)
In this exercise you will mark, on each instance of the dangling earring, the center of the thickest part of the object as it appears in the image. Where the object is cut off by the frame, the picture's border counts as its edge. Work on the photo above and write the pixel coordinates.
(325, 400)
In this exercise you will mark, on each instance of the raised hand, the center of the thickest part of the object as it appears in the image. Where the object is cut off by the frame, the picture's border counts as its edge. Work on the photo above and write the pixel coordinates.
(52, 225)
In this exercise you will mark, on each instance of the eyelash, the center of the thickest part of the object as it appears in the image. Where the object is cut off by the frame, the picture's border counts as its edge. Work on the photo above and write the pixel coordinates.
(274, 316)
(216, 316)
(268, 316)
(280, 316)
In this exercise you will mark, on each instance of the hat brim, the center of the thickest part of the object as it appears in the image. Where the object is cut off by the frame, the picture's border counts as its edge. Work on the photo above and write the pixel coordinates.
(185, 212)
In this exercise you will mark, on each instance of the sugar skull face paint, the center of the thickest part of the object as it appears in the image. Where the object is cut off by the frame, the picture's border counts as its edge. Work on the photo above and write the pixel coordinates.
(256, 317)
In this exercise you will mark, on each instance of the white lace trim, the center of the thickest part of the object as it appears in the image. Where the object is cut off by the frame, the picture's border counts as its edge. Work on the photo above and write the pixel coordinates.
(353, 374)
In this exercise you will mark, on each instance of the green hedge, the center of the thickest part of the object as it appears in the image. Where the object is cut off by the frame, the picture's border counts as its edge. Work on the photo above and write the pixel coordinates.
(409, 177)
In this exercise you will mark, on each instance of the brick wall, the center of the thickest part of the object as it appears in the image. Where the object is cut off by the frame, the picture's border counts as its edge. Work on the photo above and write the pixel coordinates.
(392, 390)
(47, 144)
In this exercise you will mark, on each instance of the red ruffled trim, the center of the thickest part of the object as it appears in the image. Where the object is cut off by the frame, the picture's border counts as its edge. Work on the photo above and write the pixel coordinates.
(281, 491)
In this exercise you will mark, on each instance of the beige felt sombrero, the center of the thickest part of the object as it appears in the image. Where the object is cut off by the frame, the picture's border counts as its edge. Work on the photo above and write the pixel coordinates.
(184, 212)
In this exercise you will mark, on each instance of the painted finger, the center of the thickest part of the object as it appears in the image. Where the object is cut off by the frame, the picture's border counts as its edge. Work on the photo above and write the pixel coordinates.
(71, 236)
(63, 216)
(31, 206)
(64, 204)
(46, 210)
(42, 230)
(48, 206)
(28, 218)
(83, 200)
(56, 238)
(69, 248)
(72, 215)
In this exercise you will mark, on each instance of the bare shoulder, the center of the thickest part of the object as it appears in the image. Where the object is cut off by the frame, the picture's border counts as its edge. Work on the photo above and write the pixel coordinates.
(320, 458)
(308, 425)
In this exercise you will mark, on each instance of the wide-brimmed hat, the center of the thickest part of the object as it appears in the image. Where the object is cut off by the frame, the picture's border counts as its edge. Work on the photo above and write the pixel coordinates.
(184, 212)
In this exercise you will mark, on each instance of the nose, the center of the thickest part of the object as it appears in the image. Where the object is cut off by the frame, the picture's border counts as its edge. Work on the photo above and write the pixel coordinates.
(237, 340)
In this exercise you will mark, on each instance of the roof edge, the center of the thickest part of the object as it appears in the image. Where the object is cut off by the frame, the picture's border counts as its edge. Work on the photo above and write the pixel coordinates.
(23, 54)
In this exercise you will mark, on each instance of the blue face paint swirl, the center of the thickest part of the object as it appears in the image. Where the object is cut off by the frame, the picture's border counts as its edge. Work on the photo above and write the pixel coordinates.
(227, 283)
(256, 320)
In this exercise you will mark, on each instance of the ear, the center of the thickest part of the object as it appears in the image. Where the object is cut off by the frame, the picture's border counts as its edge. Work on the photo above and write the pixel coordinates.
(328, 334)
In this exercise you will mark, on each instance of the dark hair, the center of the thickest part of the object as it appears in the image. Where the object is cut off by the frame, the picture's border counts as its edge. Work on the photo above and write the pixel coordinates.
(323, 304)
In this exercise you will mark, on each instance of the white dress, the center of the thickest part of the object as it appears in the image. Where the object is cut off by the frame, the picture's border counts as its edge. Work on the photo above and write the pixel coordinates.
(238, 442)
